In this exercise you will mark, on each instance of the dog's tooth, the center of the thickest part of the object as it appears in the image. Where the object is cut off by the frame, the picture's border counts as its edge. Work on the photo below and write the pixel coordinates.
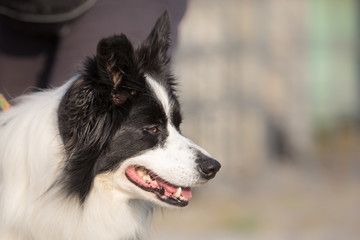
(147, 177)
(178, 193)
(182, 198)
(140, 172)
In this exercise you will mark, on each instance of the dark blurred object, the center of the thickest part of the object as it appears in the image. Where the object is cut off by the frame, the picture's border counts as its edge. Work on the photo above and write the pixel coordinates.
(45, 17)
(42, 22)
(39, 54)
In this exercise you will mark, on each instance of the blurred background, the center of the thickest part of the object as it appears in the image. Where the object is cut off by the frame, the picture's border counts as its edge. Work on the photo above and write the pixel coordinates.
(271, 89)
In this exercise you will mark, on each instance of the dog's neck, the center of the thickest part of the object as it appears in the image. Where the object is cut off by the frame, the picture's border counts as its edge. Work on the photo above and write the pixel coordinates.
(101, 216)
(127, 217)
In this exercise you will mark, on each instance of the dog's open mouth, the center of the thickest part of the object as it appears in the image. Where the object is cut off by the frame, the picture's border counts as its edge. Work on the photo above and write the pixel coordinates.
(166, 192)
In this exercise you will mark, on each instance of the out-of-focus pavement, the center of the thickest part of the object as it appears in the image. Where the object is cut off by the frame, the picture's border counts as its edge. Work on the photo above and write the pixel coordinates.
(270, 89)
(286, 204)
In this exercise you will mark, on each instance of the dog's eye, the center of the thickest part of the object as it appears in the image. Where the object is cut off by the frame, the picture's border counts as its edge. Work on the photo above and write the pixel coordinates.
(153, 129)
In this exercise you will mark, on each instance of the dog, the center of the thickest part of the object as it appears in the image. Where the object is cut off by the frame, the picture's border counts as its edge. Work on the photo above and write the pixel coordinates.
(93, 158)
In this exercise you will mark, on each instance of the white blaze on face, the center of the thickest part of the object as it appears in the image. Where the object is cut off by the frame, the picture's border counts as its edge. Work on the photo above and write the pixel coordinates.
(175, 161)
(161, 94)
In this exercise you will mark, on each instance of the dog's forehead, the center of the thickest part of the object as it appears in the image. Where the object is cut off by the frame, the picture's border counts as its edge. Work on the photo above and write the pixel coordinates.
(161, 94)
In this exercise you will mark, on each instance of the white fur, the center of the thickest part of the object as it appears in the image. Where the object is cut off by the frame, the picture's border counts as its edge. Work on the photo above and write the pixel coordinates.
(161, 94)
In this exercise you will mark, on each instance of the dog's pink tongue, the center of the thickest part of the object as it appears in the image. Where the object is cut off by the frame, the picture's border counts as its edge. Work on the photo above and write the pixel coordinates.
(186, 192)
(169, 188)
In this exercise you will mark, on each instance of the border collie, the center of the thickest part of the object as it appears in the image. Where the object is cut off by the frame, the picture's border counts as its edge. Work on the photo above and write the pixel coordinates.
(92, 158)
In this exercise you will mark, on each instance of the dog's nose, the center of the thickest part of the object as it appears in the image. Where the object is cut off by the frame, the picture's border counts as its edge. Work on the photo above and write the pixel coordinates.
(207, 166)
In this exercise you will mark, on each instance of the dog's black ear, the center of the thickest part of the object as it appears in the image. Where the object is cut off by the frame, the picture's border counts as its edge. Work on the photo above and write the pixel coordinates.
(115, 61)
(154, 50)
(159, 37)
(114, 55)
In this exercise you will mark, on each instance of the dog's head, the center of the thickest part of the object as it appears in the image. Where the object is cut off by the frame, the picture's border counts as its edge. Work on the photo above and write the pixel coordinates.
(122, 118)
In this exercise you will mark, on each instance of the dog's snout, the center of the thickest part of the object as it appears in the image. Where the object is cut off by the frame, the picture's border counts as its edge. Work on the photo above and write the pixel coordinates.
(207, 166)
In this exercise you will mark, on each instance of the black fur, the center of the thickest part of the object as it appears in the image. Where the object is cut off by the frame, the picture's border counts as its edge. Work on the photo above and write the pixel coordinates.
(110, 107)
(152, 54)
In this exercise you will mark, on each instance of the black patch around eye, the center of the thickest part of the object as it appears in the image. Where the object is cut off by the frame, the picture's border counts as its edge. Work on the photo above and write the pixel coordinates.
(136, 135)
(128, 143)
